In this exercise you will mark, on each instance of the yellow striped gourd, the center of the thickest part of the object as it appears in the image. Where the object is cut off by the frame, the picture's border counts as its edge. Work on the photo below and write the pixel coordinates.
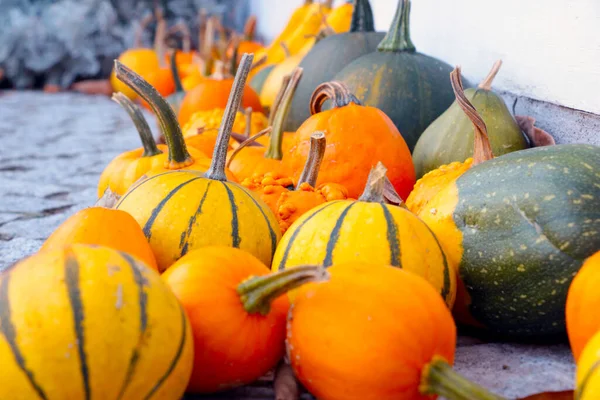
(91, 322)
(367, 230)
(183, 210)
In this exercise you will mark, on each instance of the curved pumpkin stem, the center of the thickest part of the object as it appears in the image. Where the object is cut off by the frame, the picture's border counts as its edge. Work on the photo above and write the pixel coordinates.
(337, 92)
(398, 37)
(310, 173)
(257, 293)
(482, 149)
(148, 142)
(247, 143)
(362, 17)
(178, 154)
(375, 188)
(439, 378)
(217, 165)
(275, 150)
(486, 84)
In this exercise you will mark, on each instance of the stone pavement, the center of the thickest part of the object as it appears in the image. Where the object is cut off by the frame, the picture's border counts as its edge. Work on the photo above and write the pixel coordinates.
(53, 149)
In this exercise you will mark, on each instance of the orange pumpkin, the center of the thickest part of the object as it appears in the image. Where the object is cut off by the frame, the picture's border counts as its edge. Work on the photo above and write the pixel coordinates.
(357, 138)
(179, 157)
(103, 226)
(243, 338)
(213, 93)
(248, 45)
(582, 302)
(374, 332)
(254, 160)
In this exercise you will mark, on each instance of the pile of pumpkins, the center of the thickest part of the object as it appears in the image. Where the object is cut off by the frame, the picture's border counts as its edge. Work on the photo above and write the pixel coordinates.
(309, 240)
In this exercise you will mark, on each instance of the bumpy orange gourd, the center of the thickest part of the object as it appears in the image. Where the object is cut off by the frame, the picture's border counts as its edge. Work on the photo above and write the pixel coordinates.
(103, 226)
(371, 332)
(582, 302)
(91, 322)
(357, 138)
(243, 338)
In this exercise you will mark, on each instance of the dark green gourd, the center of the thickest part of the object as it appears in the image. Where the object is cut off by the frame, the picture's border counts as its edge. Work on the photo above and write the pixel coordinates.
(329, 56)
(411, 88)
(450, 137)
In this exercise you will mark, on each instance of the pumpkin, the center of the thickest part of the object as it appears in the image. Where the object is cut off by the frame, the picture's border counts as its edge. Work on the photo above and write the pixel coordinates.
(328, 56)
(161, 78)
(212, 93)
(349, 157)
(409, 87)
(450, 137)
(434, 181)
(183, 210)
(249, 161)
(242, 339)
(367, 230)
(583, 297)
(288, 205)
(517, 229)
(247, 45)
(128, 167)
(588, 366)
(260, 76)
(90, 322)
(101, 225)
(339, 18)
(374, 332)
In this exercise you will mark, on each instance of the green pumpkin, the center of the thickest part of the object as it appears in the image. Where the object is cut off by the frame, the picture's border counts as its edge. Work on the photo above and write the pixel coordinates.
(450, 137)
(258, 81)
(409, 87)
(518, 228)
(329, 56)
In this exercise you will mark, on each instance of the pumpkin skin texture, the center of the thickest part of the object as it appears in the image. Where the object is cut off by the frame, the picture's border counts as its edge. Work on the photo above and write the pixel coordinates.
(411, 88)
(349, 158)
(588, 372)
(105, 327)
(368, 231)
(104, 227)
(232, 346)
(518, 228)
(326, 320)
(450, 137)
(583, 298)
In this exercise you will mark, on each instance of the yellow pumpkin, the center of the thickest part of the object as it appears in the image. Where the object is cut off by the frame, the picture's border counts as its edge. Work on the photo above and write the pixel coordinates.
(87, 322)
(180, 211)
(588, 371)
(367, 230)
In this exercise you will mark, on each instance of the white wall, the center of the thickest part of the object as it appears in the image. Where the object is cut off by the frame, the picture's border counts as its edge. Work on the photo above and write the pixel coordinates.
(550, 48)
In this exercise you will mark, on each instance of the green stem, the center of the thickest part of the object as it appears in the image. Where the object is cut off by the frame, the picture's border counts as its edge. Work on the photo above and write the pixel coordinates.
(398, 37)
(257, 293)
(148, 142)
(219, 159)
(439, 378)
(375, 187)
(362, 17)
(310, 173)
(275, 150)
(178, 154)
(175, 73)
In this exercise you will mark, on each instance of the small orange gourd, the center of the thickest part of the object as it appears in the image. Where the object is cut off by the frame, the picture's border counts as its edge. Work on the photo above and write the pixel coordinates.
(248, 44)
(582, 302)
(162, 78)
(243, 338)
(372, 332)
(357, 138)
(103, 226)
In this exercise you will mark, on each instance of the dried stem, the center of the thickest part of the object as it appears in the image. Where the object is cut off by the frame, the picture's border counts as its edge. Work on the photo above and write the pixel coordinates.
(337, 92)
(310, 173)
(486, 84)
(375, 185)
(139, 32)
(148, 142)
(247, 143)
(284, 84)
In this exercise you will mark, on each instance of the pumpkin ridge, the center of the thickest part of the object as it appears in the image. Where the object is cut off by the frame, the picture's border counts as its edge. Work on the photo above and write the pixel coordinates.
(175, 359)
(447, 282)
(235, 233)
(185, 236)
(74, 292)
(271, 230)
(392, 237)
(296, 232)
(148, 226)
(335, 235)
(8, 331)
(143, 301)
(130, 190)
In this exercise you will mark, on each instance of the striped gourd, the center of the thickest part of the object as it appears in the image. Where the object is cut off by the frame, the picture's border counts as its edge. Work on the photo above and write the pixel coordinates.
(183, 210)
(90, 322)
(367, 230)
